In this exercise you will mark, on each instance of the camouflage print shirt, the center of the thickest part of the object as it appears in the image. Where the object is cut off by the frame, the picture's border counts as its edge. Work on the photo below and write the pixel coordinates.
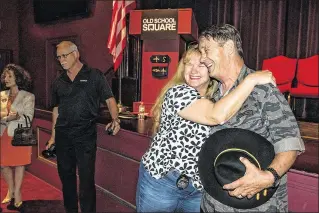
(267, 113)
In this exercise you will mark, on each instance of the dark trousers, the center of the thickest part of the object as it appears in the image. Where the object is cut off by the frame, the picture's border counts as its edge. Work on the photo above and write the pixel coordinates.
(77, 152)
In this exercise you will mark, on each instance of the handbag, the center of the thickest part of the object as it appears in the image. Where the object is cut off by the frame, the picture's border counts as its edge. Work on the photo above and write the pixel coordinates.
(23, 136)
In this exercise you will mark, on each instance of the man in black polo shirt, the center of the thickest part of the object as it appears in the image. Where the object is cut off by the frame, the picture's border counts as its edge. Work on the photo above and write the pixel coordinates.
(76, 97)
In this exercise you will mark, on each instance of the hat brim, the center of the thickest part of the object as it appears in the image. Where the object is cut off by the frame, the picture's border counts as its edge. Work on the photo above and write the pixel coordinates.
(233, 139)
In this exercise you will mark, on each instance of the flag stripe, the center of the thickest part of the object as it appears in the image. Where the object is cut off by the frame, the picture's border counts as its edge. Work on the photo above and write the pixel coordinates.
(117, 37)
(115, 15)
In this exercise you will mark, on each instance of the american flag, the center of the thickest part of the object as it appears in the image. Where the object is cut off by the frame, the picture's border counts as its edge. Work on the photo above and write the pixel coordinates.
(117, 37)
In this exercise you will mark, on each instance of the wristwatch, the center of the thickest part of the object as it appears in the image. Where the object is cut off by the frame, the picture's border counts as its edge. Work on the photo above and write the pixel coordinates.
(276, 176)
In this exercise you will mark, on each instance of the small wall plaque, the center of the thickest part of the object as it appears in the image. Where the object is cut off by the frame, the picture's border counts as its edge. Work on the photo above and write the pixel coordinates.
(160, 72)
(160, 59)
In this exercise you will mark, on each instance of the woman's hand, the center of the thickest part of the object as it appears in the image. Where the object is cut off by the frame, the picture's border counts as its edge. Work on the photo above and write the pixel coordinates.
(262, 77)
(13, 116)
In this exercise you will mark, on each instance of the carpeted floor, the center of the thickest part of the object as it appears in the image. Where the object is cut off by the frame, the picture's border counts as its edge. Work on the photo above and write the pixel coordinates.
(38, 196)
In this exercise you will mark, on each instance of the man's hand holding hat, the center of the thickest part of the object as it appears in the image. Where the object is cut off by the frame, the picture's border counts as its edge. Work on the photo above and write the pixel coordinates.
(251, 183)
(232, 166)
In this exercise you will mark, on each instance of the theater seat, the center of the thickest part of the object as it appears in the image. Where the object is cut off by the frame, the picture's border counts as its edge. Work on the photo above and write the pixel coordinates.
(307, 78)
(307, 82)
(283, 68)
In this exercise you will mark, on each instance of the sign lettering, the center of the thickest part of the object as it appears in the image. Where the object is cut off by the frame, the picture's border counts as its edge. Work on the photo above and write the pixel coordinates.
(160, 59)
(160, 72)
(159, 24)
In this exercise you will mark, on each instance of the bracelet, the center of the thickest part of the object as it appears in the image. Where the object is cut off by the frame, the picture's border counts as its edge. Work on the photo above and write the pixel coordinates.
(276, 176)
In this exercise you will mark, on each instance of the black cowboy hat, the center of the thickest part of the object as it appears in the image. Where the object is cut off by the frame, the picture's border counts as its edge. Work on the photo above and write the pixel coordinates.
(219, 164)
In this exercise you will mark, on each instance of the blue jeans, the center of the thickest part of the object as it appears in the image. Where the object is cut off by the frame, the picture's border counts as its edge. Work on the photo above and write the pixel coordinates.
(162, 195)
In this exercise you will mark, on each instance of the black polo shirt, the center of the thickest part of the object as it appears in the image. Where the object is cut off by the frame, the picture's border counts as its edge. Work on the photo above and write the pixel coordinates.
(78, 102)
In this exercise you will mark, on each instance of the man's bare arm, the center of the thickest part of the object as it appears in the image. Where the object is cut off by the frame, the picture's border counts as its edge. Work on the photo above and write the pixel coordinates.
(114, 112)
(55, 115)
(111, 104)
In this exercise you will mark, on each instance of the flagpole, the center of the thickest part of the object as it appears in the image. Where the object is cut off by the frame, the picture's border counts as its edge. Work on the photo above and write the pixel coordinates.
(115, 41)
(123, 69)
(119, 105)
(127, 45)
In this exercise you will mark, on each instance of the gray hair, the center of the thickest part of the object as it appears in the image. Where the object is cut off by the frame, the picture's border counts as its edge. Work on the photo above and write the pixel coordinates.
(223, 33)
(68, 44)
(73, 47)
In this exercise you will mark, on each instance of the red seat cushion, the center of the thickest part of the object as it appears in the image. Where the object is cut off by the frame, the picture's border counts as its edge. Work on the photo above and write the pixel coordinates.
(305, 91)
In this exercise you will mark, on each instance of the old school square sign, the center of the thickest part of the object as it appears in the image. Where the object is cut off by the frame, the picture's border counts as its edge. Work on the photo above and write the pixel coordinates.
(159, 24)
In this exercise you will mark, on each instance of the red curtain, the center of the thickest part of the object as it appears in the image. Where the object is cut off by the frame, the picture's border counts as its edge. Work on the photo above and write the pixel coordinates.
(268, 28)
(271, 27)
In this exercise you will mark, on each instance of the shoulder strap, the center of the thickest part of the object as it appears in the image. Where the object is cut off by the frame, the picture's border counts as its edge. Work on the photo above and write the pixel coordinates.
(27, 120)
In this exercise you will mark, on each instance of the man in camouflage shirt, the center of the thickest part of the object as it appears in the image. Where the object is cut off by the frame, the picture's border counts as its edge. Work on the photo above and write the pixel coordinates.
(265, 112)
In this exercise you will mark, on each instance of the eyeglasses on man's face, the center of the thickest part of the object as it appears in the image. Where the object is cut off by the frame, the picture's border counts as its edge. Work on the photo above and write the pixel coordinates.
(64, 56)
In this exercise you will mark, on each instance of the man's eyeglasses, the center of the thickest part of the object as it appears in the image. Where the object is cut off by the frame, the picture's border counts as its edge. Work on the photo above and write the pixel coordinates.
(59, 57)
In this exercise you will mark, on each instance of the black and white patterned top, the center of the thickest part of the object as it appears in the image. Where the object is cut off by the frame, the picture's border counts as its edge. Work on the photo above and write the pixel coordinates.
(178, 141)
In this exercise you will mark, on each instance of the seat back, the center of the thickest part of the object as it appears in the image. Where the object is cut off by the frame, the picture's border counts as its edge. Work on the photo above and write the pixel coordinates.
(307, 72)
(282, 67)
